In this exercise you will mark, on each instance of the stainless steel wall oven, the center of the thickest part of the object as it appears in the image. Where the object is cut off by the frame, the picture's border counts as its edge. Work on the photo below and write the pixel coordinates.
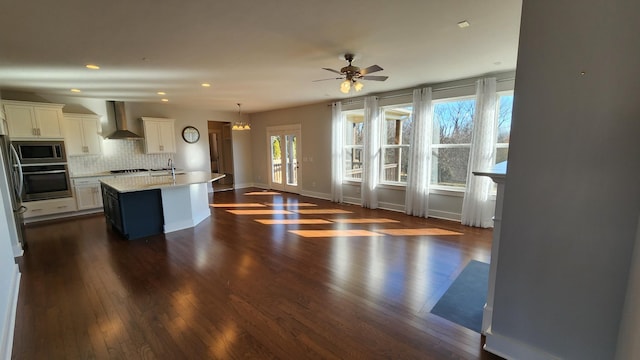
(43, 168)
(45, 181)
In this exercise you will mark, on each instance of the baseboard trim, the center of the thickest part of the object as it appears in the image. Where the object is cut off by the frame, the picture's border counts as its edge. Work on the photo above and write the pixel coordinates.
(316, 195)
(243, 186)
(512, 349)
(6, 346)
(391, 206)
(445, 215)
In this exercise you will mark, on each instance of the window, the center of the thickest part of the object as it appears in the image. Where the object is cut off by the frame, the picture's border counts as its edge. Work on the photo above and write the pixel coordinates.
(505, 107)
(354, 139)
(452, 129)
(396, 134)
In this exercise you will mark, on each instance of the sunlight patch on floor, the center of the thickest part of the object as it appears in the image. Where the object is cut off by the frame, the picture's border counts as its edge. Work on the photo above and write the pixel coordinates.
(262, 193)
(290, 204)
(334, 233)
(322, 211)
(259, 212)
(292, 221)
(417, 232)
(364, 221)
(230, 205)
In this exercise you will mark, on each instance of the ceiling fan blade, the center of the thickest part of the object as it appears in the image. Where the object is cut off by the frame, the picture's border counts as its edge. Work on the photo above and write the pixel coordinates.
(370, 69)
(335, 71)
(374, 78)
(333, 78)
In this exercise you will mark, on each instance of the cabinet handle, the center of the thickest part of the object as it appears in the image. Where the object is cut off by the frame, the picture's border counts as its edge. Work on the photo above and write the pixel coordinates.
(62, 206)
(33, 132)
(161, 147)
(38, 131)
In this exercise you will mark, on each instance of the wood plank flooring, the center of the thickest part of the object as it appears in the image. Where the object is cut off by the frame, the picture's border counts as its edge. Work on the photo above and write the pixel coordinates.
(236, 288)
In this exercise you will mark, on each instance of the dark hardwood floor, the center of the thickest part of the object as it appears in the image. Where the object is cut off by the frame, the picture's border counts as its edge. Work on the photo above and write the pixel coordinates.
(233, 288)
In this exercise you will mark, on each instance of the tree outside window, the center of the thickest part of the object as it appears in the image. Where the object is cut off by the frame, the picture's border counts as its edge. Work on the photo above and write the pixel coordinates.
(505, 108)
(452, 130)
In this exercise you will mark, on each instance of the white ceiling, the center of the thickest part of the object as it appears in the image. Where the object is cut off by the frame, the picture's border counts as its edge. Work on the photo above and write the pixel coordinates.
(263, 54)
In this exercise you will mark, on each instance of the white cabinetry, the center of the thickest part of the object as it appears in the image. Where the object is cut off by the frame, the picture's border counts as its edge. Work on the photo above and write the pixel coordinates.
(49, 207)
(87, 192)
(81, 134)
(28, 120)
(159, 135)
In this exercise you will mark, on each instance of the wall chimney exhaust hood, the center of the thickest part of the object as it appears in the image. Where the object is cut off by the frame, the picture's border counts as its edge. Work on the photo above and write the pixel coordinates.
(121, 133)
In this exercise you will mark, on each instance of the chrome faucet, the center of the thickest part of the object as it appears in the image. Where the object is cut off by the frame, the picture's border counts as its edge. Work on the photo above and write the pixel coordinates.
(173, 169)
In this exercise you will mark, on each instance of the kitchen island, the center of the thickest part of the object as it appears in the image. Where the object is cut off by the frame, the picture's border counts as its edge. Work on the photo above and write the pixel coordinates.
(141, 206)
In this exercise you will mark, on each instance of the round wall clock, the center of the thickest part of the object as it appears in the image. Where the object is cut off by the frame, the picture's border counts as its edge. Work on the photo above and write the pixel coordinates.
(190, 134)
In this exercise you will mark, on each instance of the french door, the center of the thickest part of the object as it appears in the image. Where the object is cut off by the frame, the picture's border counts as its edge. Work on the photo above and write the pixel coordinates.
(284, 154)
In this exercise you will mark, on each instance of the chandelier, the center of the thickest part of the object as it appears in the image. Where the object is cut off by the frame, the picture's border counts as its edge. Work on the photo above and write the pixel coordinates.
(239, 124)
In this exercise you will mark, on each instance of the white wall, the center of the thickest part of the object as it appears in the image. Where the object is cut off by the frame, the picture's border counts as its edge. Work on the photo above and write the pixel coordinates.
(572, 195)
(9, 273)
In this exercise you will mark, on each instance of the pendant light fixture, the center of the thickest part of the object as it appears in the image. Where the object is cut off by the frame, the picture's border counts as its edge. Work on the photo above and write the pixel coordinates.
(239, 124)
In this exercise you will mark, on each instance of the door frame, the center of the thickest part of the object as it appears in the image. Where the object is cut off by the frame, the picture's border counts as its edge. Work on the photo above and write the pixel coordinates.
(283, 130)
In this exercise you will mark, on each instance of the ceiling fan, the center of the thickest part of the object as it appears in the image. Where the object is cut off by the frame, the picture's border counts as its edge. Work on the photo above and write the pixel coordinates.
(351, 74)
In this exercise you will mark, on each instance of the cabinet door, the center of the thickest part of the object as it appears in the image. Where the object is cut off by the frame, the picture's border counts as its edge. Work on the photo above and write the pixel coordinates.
(167, 137)
(88, 196)
(20, 119)
(48, 122)
(90, 130)
(152, 137)
(73, 136)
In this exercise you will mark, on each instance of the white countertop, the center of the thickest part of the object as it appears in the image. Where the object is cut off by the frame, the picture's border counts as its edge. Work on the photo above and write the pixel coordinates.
(137, 183)
(109, 173)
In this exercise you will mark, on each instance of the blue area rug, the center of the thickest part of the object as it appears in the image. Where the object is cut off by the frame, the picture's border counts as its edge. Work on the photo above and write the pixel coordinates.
(464, 300)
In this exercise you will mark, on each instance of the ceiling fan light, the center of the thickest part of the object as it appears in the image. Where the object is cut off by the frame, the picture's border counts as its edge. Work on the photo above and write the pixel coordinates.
(345, 86)
(358, 85)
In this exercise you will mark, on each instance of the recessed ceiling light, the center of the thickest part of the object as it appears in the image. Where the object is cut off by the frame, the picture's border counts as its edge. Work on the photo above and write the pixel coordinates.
(92, 66)
(463, 24)
(161, 93)
(75, 90)
(165, 100)
(205, 85)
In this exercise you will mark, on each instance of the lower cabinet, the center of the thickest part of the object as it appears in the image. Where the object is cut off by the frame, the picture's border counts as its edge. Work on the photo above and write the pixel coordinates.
(49, 207)
(87, 193)
(133, 214)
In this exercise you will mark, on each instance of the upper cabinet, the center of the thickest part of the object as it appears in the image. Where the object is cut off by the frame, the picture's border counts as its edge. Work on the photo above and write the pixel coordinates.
(159, 135)
(29, 120)
(81, 134)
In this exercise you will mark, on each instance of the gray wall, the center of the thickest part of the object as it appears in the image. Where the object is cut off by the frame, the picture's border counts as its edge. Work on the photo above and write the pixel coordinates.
(315, 121)
(572, 195)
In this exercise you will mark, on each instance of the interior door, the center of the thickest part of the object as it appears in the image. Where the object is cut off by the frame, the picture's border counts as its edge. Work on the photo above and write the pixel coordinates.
(284, 165)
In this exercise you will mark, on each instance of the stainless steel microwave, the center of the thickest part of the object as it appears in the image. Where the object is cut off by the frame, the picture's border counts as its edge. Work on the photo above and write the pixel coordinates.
(40, 152)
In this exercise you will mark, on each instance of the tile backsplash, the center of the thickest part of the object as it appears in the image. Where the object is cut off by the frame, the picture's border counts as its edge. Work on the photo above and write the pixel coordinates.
(116, 155)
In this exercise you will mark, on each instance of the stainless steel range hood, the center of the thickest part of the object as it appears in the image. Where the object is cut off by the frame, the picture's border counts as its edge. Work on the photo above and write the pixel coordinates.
(120, 119)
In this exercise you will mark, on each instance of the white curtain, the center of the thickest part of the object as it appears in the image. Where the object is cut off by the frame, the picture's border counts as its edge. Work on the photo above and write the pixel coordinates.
(477, 209)
(419, 174)
(371, 153)
(337, 147)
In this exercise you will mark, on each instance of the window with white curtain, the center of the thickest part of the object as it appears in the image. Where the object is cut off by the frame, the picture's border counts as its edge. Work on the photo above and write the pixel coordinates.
(396, 135)
(452, 129)
(353, 140)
